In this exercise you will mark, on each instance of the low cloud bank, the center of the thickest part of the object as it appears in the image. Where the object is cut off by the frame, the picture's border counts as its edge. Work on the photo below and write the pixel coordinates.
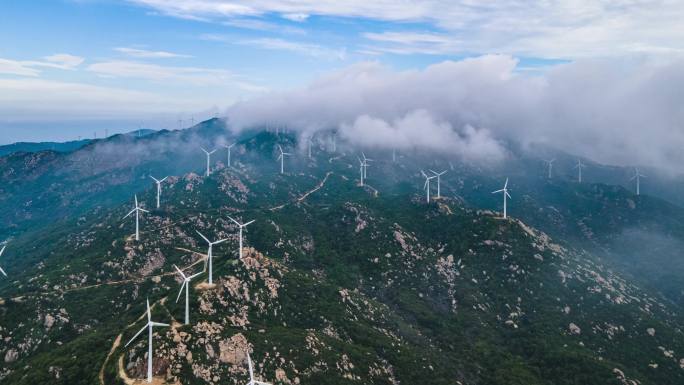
(624, 112)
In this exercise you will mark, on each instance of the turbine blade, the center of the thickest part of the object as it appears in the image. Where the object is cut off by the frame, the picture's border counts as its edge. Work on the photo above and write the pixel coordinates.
(137, 334)
(195, 275)
(497, 191)
(262, 383)
(252, 221)
(180, 271)
(423, 172)
(432, 171)
(155, 179)
(205, 238)
(163, 179)
(127, 215)
(149, 313)
(143, 210)
(506, 184)
(219, 241)
(159, 324)
(234, 221)
(3, 272)
(508, 195)
(204, 150)
(180, 291)
(2, 250)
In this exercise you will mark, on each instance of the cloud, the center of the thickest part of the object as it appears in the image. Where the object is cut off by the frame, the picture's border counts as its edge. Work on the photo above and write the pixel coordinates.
(555, 29)
(146, 54)
(14, 67)
(28, 67)
(306, 49)
(621, 112)
(154, 72)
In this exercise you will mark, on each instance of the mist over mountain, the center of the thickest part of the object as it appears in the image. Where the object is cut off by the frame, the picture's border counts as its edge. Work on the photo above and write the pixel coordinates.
(615, 115)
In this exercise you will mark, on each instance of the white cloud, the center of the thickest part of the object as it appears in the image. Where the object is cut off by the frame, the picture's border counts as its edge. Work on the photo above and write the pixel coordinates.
(147, 54)
(306, 49)
(27, 67)
(298, 17)
(626, 112)
(14, 67)
(548, 29)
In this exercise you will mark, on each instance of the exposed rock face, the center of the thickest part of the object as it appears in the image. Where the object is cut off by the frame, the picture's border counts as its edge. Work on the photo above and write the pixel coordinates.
(234, 349)
(11, 356)
(574, 329)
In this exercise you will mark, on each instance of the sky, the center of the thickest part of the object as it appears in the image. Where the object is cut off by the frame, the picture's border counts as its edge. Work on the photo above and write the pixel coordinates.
(589, 74)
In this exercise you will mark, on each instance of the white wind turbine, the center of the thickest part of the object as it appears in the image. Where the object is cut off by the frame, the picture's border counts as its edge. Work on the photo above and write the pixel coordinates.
(365, 165)
(186, 286)
(158, 182)
(252, 381)
(241, 226)
(579, 166)
(637, 176)
(504, 190)
(150, 324)
(2, 251)
(208, 159)
(426, 186)
(549, 163)
(334, 143)
(281, 158)
(228, 147)
(361, 165)
(209, 254)
(438, 175)
(137, 211)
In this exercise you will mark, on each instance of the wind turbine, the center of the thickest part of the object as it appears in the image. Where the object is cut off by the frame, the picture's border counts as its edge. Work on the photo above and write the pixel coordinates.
(310, 142)
(281, 158)
(550, 164)
(150, 324)
(208, 159)
(579, 166)
(209, 254)
(186, 286)
(252, 381)
(637, 176)
(137, 211)
(365, 165)
(361, 165)
(504, 190)
(159, 182)
(427, 184)
(334, 144)
(241, 226)
(2, 251)
(228, 148)
(438, 175)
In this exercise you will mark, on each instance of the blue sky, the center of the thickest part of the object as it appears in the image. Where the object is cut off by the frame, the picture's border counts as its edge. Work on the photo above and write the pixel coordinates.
(69, 68)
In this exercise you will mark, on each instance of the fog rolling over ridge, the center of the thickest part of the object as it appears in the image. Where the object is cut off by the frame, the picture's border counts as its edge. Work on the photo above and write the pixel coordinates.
(625, 115)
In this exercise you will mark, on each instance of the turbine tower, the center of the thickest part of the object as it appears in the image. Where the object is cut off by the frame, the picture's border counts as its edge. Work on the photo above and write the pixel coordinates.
(579, 166)
(208, 159)
(310, 142)
(137, 211)
(158, 182)
(228, 147)
(504, 190)
(186, 286)
(637, 176)
(241, 226)
(281, 158)
(209, 254)
(426, 186)
(252, 381)
(438, 175)
(150, 324)
(361, 166)
(2, 251)
(333, 141)
(365, 165)
(549, 163)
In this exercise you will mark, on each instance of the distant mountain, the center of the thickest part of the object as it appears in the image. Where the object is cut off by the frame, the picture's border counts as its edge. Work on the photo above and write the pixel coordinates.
(341, 283)
(59, 146)
(43, 146)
